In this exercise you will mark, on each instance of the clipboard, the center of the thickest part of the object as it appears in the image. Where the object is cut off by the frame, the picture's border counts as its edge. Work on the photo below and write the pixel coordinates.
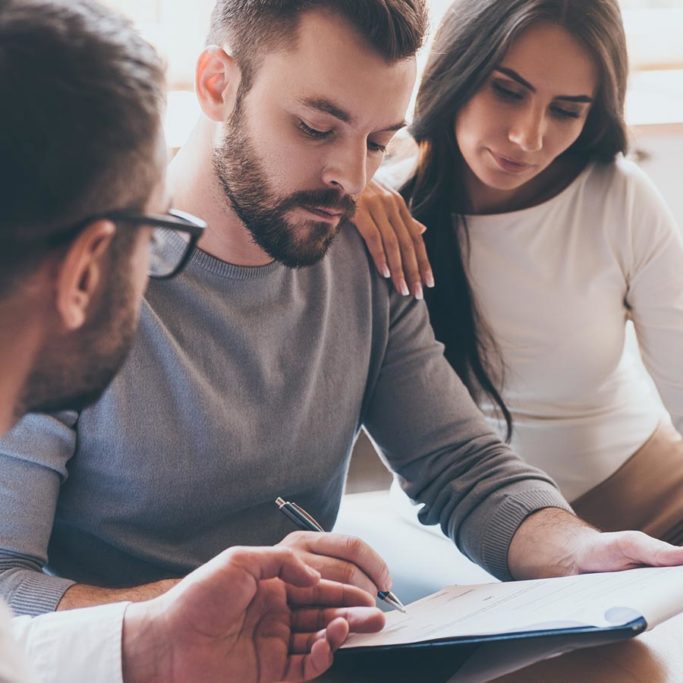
(580, 636)
(474, 658)
(518, 622)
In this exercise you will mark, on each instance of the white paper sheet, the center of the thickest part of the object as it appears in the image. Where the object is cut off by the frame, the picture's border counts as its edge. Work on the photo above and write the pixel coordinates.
(608, 599)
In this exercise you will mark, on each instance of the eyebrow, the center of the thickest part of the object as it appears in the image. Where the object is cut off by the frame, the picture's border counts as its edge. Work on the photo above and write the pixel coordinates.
(328, 107)
(511, 73)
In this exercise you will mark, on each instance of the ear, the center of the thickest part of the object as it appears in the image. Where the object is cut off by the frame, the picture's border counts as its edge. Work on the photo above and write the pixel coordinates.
(217, 79)
(81, 273)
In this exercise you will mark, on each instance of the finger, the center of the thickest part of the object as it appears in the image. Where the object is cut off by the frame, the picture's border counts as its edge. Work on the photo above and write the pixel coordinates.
(336, 633)
(312, 656)
(343, 558)
(304, 667)
(668, 556)
(341, 571)
(330, 594)
(392, 226)
(410, 238)
(269, 563)
(416, 230)
(642, 549)
(425, 267)
(359, 619)
(302, 643)
(319, 660)
(392, 248)
(373, 240)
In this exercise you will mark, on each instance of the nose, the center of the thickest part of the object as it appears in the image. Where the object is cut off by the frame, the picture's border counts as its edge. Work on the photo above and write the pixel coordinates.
(346, 168)
(528, 129)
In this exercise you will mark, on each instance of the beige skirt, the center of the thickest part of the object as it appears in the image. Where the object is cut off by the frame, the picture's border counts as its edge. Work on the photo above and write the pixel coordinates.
(645, 493)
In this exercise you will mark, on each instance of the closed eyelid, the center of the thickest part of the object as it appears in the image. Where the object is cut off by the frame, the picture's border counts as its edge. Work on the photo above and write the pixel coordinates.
(573, 107)
(318, 125)
(503, 90)
(509, 86)
(312, 132)
(507, 82)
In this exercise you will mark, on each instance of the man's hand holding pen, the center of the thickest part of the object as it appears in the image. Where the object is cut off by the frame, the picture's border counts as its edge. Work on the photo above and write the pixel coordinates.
(345, 559)
(341, 558)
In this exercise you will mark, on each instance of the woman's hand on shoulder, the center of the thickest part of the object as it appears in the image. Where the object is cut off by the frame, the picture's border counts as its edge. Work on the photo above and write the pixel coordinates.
(394, 239)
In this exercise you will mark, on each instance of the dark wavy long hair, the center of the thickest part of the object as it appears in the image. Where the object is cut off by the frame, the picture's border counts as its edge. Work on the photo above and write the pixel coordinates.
(470, 42)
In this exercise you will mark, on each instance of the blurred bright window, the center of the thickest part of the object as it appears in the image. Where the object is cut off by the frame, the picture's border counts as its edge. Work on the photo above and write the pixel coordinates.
(654, 28)
(178, 28)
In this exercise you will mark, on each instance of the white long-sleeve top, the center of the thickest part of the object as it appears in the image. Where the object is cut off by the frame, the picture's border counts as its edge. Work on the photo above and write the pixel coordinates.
(556, 284)
(74, 646)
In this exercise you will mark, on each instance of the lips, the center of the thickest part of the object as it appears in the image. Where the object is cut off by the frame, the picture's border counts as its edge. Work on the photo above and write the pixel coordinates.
(510, 165)
(326, 213)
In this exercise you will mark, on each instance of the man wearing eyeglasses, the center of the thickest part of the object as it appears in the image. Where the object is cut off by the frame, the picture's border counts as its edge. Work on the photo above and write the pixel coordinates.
(84, 222)
(255, 369)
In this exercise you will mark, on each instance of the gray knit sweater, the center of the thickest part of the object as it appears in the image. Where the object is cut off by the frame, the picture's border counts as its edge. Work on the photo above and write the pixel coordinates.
(246, 384)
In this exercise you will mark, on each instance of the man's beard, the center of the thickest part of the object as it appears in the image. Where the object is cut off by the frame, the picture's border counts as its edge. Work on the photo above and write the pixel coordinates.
(264, 214)
(74, 371)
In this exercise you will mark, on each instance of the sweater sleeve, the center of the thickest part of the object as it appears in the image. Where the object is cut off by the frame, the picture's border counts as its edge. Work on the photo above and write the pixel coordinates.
(654, 275)
(435, 438)
(33, 459)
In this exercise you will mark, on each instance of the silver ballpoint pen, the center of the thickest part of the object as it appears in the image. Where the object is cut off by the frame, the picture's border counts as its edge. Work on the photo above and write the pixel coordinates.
(304, 521)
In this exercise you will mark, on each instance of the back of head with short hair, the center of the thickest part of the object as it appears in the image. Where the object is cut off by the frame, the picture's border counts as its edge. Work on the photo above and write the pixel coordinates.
(81, 97)
(394, 28)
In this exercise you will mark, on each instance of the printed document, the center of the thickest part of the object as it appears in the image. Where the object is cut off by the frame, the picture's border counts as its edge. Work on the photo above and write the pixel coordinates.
(598, 600)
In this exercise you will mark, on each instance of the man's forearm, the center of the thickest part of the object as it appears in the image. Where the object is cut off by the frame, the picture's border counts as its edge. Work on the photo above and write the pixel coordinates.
(548, 543)
(83, 595)
(553, 542)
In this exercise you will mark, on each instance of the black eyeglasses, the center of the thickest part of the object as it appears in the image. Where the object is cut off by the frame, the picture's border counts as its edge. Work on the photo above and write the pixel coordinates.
(174, 237)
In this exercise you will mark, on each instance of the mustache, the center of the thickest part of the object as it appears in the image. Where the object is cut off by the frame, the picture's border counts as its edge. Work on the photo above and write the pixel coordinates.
(325, 199)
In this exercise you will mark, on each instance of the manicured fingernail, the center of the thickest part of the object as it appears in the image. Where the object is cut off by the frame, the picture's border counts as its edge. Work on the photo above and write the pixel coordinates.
(403, 288)
(418, 293)
(385, 271)
(429, 280)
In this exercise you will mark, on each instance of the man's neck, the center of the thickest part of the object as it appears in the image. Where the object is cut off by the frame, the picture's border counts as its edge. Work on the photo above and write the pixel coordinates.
(196, 189)
(17, 352)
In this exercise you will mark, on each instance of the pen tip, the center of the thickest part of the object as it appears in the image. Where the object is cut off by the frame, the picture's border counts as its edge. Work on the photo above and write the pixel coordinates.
(390, 598)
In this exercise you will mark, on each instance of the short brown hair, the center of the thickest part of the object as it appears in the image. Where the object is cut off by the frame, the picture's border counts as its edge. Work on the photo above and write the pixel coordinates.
(394, 28)
(81, 97)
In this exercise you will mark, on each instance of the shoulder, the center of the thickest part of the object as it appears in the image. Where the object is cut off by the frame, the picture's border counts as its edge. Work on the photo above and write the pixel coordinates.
(621, 181)
(349, 249)
(634, 216)
(619, 195)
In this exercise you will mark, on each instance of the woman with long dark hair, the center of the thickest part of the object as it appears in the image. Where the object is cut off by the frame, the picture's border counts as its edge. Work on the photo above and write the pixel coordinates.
(544, 241)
